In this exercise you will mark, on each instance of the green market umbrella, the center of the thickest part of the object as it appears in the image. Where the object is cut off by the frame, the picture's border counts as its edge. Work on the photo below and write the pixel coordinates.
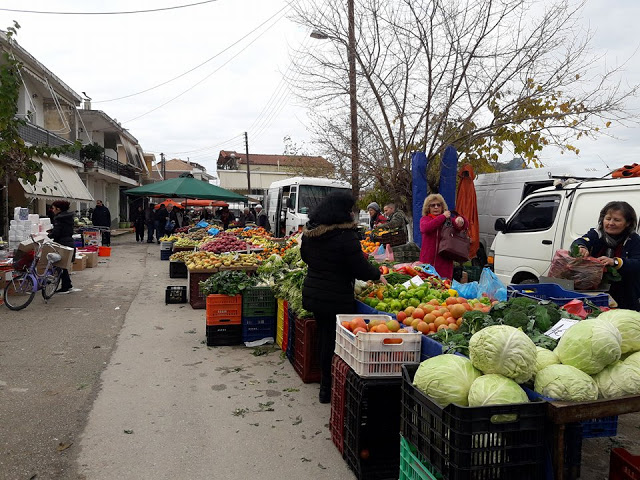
(185, 186)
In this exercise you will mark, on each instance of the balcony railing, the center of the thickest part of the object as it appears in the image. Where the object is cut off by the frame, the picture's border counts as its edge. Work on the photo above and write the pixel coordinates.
(112, 165)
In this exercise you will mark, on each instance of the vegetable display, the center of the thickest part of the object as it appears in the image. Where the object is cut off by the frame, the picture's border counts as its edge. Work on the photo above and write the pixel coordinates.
(494, 389)
(544, 358)
(228, 282)
(446, 378)
(628, 324)
(617, 380)
(564, 382)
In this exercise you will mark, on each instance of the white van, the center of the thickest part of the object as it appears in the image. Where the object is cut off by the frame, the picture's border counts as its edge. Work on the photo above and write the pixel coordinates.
(498, 194)
(551, 219)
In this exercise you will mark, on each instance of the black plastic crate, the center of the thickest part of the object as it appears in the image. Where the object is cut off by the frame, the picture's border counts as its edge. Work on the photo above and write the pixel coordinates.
(472, 443)
(372, 426)
(221, 335)
(178, 270)
(165, 254)
(257, 328)
(175, 294)
(258, 302)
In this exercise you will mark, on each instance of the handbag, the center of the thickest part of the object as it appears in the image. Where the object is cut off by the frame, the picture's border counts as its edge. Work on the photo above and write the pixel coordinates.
(169, 226)
(453, 244)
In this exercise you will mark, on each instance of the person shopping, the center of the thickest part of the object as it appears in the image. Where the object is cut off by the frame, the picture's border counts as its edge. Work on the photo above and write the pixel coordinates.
(615, 243)
(434, 214)
(331, 249)
(62, 233)
(375, 215)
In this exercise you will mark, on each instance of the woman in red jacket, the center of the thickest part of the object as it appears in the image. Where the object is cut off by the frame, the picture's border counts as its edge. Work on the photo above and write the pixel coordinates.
(434, 213)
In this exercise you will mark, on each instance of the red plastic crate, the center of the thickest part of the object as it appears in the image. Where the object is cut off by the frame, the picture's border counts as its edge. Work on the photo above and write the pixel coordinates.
(306, 354)
(285, 329)
(623, 465)
(197, 299)
(224, 309)
(339, 370)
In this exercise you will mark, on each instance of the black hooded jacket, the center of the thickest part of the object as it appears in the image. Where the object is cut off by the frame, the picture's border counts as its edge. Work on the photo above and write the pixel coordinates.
(101, 216)
(62, 231)
(335, 259)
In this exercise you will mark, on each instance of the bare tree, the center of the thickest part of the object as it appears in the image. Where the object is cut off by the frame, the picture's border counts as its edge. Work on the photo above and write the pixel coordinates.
(486, 76)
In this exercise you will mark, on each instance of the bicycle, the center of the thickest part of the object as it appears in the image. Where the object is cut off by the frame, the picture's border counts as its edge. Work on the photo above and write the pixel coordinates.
(26, 280)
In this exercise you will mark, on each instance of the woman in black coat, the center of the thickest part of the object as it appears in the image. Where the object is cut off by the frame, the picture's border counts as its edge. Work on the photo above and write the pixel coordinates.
(62, 233)
(331, 249)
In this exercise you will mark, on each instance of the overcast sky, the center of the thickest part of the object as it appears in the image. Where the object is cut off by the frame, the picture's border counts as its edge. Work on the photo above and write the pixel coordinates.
(113, 56)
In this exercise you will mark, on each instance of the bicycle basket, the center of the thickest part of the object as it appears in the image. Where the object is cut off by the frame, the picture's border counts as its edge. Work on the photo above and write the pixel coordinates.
(22, 260)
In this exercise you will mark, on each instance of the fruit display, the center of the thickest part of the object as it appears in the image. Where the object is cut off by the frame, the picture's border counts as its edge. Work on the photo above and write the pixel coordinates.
(226, 243)
(234, 260)
(180, 256)
(359, 324)
(197, 261)
(368, 246)
(169, 238)
(186, 242)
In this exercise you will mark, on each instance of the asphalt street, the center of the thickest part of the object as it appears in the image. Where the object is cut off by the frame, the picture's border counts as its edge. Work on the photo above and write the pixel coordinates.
(111, 383)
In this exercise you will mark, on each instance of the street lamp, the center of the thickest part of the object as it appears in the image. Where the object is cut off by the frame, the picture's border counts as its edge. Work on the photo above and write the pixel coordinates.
(353, 107)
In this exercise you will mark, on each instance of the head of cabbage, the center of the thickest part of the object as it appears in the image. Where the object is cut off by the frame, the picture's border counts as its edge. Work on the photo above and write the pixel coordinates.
(617, 380)
(504, 350)
(494, 389)
(628, 324)
(633, 360)
(564, 382)
(544, 358)
(590, 345)
(446, 378)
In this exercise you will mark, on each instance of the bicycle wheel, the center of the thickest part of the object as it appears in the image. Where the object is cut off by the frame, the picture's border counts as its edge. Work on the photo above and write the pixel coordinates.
(51, 283)
(19, 292)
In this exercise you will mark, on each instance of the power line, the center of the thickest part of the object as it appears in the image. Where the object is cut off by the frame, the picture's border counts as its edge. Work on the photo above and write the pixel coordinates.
(176, 7)
(194, 68)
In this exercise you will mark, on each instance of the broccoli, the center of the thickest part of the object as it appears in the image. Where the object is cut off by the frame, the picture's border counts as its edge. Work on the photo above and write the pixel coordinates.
(522, 302)
(516, 318)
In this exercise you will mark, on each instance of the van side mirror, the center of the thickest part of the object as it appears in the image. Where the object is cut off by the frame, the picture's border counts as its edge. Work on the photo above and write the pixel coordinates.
(500, 225)
(289, 202)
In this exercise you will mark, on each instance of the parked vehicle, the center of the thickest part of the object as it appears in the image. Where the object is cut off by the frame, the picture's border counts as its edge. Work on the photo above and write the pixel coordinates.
(498, 194)
(289, 201)
(551, 219)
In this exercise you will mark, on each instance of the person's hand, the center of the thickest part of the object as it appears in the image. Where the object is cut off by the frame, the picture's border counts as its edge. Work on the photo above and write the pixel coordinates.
(459, 221)
(606, 261)
(583, 252)
(383, 280)
(447, 214)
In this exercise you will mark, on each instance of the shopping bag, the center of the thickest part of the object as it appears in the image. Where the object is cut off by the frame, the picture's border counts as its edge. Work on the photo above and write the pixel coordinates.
(169, 226)
(453, 243)
(490, 286)
(466, 290)
(586, 272)
(202, 224)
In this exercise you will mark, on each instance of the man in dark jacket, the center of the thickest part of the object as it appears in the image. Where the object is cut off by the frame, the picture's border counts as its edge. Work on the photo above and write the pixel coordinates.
(160, 219)
(331, 249)
(62, 233)
(101, 217)
(148, 219)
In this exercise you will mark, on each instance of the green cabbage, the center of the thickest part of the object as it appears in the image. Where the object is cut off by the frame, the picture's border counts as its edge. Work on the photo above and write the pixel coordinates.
(633, 360)
(628, 323)
(617, 380)
(504, 350)
(590, 345)
(544, 358)
(564, 382)
(446, 378)
(494, 389)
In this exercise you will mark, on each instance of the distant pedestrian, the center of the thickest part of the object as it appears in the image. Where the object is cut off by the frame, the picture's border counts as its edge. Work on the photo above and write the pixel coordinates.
(62, 233)
(139, 223)
(226, 217)
(246, 217)
(160, 219)
(148, 220)
(262, 218)
(101, 217)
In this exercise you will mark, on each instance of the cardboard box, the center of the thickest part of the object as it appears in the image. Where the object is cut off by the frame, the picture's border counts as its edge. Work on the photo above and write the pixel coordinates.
(80, 263)
(92, 258)
(65, 252)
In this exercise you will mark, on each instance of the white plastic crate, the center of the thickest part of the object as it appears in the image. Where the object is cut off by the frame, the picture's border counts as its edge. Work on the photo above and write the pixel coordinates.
(376, 354)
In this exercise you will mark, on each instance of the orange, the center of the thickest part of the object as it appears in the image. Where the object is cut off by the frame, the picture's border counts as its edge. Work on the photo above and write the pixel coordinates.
(422, 327)
(382, 328)
(447, 314)
(457, 310)
(451, 300)
(440, 321)
(429, 318)
(418, 313)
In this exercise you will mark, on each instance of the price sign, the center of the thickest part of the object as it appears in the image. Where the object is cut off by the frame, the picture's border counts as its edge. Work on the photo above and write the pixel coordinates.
(415, 281)
(559, 328)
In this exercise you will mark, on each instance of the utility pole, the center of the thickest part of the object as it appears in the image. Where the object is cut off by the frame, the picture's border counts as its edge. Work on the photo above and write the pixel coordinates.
(246, 144)
(164, 169)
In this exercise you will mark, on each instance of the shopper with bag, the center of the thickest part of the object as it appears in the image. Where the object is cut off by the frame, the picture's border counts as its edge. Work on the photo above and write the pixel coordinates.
(615, 243)
(62, 233)
(435, 218)
(331, 249)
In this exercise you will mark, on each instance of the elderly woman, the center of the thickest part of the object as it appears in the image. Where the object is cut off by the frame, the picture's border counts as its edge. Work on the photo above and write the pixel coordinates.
(434, 214)
(375, 215)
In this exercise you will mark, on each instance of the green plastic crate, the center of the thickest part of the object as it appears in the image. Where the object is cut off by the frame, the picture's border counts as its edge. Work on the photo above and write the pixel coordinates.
(258, 302)
(412, 465)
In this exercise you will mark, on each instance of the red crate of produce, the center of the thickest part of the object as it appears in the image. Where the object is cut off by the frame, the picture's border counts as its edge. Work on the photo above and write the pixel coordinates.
(224, 309)
(197, 299)
(339, 370)
(623, 465)
(306, 354)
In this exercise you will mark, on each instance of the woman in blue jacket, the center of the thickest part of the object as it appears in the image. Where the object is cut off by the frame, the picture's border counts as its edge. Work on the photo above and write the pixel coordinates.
(615, 243)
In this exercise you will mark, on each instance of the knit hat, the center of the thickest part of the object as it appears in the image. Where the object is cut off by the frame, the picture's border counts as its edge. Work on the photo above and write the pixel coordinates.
(258, 206)
(374, 205)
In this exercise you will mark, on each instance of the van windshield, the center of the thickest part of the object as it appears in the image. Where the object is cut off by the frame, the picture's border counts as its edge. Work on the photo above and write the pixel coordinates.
(309, 196)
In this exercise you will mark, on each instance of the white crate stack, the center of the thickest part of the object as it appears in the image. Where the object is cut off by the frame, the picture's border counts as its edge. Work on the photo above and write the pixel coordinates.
(25, 224)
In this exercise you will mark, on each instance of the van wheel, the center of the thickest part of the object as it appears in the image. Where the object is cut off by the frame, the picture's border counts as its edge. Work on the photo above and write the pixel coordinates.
(524, 278)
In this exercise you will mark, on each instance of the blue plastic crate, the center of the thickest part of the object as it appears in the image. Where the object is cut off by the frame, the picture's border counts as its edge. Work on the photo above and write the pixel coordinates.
(257, 328)
(594, 428)
(554, 293)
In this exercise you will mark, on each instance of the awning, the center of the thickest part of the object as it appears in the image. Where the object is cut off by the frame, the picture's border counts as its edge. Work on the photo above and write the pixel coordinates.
(59, 181)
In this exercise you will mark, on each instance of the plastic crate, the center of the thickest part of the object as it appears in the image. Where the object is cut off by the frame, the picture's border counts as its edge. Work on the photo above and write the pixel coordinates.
(175, 294)
(473, 273)
(393, 238)
(281, 312)
(364, 309)
(257, 328)
(178, 270)
(376, 354)
(555, 293)
(197, 299)
(339, 370)
(306, 352)
(285, 327)
(223, 335)
(165, 254)
(407, 253)
(258, 302)
(468, 442)
(224, 309)
(595, 428)
(413, 466)
(166, 246)
(291, 336)
(623, 465)
(372, 426)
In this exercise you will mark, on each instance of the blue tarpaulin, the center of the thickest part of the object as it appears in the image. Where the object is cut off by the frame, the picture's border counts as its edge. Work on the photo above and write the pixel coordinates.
(448, 176)
(419, 191)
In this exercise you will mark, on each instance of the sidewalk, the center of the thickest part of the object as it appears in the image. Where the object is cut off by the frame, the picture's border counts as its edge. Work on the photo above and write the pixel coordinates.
(171, 407)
